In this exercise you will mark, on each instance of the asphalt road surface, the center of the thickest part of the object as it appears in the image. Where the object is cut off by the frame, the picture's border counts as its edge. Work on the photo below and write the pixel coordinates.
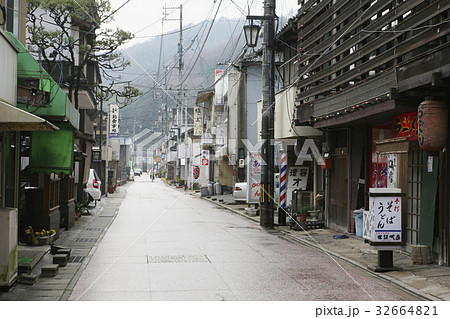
(166, 244)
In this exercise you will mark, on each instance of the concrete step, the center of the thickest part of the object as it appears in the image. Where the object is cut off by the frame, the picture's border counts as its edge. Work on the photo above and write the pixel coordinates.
(27, 279)
(60, 259)
(50, 270)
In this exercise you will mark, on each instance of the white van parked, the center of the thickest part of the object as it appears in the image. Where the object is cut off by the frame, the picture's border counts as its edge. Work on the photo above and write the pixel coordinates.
(93, 187)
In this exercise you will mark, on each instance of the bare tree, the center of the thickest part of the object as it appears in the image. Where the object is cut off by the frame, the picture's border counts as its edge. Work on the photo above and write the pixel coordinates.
(69, 37)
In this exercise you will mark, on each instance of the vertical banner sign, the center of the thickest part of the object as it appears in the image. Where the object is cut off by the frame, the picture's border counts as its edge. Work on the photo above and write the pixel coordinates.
(283, 180)
(385, 215)
(205, 158)
(113, 120)
(198, 121)
(196, 172)
(218, 87)
(392, 171)
(254, 177)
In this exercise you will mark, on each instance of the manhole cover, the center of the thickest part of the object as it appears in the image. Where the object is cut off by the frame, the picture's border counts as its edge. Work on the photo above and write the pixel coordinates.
(177, 259)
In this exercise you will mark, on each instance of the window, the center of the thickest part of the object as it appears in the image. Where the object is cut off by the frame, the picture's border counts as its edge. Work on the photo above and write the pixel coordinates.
(415, 167)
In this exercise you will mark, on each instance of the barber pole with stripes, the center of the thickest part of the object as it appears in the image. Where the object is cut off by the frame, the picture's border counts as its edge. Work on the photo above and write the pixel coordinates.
(281, 210)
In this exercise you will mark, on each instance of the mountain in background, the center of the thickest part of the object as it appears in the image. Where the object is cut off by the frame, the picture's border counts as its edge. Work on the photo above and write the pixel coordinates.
(154, 69)
(224, 44)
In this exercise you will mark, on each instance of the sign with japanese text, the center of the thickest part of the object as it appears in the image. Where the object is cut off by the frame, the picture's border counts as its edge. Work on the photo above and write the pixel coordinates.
(198, 121)
(379, 163)
(196, 172)
(385, 215)
(297, 177)
(392, 171)
(254, 177)
(113, 120)
(219, 90)
(405, 125)
(205, 158)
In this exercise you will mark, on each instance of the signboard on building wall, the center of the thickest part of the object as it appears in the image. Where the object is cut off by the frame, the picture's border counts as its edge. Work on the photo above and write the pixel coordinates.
(392, 177)
(405, 125)
(378, 169)
(113, 120)
(385, 215)
(254, 177)
(198, 121)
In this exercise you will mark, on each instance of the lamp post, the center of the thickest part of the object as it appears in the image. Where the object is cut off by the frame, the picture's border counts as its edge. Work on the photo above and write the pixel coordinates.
(268, 99)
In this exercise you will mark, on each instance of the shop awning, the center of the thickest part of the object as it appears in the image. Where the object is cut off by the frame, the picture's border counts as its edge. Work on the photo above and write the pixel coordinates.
(14, 119)
(52, 152)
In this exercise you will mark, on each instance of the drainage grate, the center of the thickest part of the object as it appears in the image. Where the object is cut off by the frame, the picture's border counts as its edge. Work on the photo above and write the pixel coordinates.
(85, 240)
(76, 259)
(177, 259)
(105, 215)
(94, 229)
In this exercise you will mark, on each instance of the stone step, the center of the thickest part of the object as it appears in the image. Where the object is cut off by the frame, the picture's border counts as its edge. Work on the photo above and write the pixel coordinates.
(27, 279)
(60, 259)
(24, 268)
(65, 251)
(50, 270)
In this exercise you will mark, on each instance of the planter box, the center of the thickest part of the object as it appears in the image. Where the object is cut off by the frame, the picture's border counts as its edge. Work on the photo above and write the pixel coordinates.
(46, 240)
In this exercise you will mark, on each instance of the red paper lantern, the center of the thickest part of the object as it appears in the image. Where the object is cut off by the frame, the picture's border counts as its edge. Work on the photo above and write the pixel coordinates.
(432, 118)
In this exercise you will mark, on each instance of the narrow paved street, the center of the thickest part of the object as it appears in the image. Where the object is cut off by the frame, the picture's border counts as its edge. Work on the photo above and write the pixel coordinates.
(166, 244)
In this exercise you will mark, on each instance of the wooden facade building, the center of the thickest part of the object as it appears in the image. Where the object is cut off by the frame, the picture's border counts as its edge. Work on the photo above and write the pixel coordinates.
(364, 67)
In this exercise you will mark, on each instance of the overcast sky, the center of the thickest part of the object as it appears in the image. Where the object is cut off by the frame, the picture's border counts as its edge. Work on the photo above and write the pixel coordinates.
(143, 18)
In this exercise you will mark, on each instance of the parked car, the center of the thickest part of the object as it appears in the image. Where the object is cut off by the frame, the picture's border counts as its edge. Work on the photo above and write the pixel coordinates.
(137, 172)
(93, 187)
(240, 192)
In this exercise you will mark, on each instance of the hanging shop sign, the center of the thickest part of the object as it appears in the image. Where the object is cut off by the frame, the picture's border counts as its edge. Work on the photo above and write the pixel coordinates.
(385, 216)
(113, 120)
(198, 121)
(219, 88)
(297, 177)
(205, 159)
(432, 129)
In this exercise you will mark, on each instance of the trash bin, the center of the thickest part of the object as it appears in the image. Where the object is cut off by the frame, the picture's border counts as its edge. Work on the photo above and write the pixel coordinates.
(210, 189)
(358, 216)
(218, 188)
(204, 191)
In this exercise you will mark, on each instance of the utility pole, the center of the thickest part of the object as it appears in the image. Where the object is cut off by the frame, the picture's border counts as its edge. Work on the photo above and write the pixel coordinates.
(180, 98)
(268, 99)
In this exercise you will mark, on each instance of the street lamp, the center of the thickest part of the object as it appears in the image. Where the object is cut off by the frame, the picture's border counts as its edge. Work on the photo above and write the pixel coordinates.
(251, 32)
(268, 101)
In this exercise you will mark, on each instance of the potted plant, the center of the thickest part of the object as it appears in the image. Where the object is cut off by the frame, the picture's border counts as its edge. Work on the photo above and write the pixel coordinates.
(44, 237)
(313, 212)
(302, 214)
